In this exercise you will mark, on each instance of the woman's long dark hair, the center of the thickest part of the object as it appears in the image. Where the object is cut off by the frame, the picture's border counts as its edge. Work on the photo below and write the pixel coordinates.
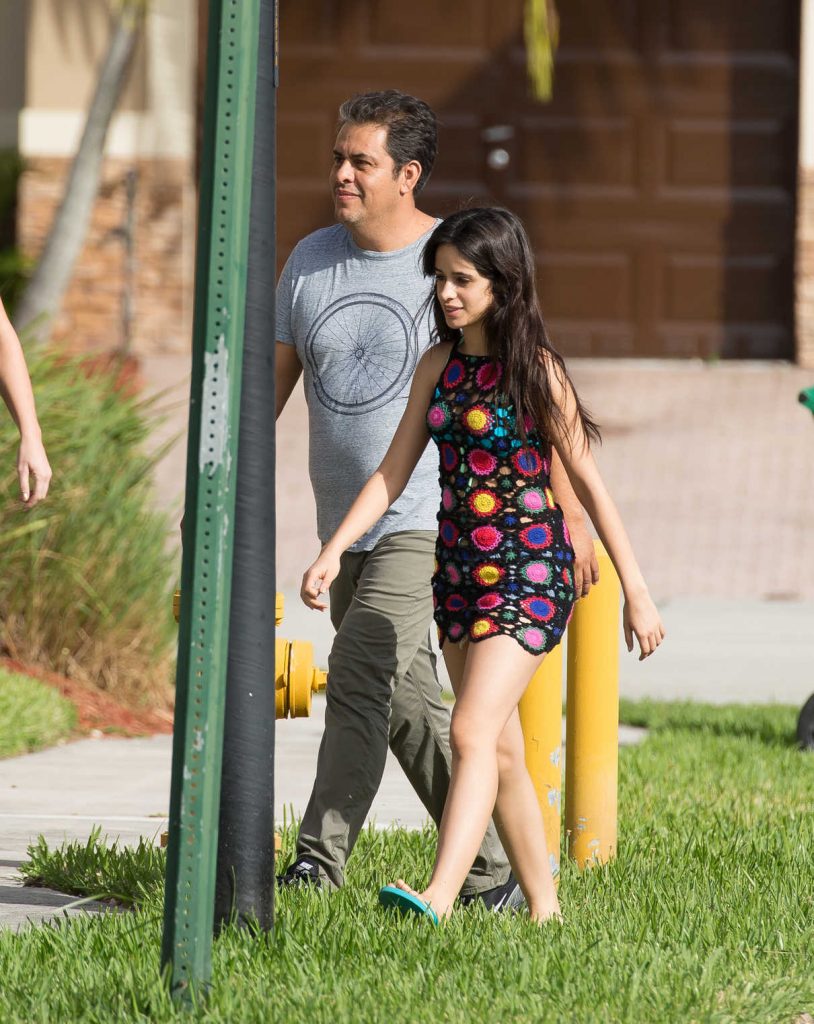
(494, 241)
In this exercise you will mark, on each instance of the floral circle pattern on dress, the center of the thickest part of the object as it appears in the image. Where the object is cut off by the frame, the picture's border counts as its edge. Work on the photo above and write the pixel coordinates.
(438, 416)
(481, 462)
(527, 462)
(531, 500)
(541, 609)
(537, 537)
(484, 503)
(535, 572)
(449, 457)
(486, 538)
(478, 420)
(534, 638)
(448, 532)
(488, 376)
(481, 628)
(454, 373)
(488, 574)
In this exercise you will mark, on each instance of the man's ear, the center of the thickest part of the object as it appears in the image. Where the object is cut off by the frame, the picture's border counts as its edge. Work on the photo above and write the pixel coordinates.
(410, 174)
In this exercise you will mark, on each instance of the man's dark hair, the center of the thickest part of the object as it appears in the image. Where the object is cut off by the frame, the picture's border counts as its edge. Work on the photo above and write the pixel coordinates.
(412, 129)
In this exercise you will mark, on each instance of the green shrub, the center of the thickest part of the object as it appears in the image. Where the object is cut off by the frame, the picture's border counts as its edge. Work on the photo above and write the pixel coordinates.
(85, 587)
(32, 715)
(14, 269)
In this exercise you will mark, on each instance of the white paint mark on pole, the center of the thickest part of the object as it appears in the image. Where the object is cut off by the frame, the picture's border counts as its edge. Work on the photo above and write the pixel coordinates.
(215, 412)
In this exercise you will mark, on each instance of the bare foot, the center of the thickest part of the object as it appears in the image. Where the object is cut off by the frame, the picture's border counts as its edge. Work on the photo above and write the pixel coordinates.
(442, 909)
(546, 914)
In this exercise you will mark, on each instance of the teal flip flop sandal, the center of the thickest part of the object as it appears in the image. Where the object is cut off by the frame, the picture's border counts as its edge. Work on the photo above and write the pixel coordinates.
(405, 902)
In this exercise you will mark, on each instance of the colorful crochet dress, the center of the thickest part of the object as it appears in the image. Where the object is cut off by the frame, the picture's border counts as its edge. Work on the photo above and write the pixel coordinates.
(504, 558)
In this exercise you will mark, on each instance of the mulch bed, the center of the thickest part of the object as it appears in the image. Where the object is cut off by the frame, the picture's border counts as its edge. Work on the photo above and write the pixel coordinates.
(97, 710)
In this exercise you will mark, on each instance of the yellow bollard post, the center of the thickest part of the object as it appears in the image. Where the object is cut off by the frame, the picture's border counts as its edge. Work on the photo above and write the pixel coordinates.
(592, 720)
(541, 718)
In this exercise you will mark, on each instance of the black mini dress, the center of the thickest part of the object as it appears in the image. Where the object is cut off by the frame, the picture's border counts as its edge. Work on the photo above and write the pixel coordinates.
(504, 561)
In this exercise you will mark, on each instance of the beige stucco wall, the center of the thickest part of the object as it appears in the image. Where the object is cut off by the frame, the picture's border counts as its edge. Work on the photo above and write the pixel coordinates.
(65, 43)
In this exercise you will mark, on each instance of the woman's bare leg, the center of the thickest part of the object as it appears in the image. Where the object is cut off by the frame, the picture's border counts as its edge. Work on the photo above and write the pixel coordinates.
(519, 822)
(489, 774)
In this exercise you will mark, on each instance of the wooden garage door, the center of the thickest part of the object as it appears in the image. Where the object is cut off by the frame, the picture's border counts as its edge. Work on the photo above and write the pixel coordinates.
(658, 186)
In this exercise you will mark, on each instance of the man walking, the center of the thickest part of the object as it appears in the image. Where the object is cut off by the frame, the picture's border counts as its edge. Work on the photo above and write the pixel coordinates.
(351, 315)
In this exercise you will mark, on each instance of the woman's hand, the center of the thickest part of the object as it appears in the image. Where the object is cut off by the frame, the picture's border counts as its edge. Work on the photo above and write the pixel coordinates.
(641, 617)
(318, 578)
(33, 462)
(586, 566)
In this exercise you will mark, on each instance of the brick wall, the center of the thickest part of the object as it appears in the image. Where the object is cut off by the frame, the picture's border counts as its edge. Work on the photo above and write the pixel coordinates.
(91, 318)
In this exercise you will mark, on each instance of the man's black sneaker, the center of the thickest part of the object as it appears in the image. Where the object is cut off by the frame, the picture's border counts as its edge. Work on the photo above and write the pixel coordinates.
(508, 896)
(301, 872)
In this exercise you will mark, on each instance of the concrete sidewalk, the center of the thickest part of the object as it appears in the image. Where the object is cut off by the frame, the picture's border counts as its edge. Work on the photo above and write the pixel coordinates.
(123, 787)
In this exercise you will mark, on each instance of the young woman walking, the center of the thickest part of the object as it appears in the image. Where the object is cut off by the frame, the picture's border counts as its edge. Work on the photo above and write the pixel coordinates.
(495, 397)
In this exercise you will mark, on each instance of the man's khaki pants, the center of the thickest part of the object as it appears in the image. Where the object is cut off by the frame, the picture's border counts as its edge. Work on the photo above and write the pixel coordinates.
(383, 688)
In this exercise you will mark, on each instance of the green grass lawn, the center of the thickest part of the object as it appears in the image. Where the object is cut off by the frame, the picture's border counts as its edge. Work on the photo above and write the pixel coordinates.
(32, 715)
(706, 915)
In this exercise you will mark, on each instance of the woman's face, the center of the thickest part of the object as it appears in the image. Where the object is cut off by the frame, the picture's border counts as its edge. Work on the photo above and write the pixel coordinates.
(465, 295)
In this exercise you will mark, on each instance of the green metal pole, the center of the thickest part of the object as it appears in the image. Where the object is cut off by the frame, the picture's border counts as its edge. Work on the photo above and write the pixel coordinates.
(206, 576)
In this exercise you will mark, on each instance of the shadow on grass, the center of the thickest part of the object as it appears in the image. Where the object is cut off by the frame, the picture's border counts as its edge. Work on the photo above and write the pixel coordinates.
(25, 896)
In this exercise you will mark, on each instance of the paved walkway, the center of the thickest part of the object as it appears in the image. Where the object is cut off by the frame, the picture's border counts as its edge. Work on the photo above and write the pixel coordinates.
(123, 786)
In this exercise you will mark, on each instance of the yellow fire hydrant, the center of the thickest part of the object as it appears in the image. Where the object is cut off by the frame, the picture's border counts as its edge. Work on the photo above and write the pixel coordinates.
(296, 677)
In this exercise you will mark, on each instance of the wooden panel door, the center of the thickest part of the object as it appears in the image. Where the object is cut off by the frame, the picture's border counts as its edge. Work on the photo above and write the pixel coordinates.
(658, 186)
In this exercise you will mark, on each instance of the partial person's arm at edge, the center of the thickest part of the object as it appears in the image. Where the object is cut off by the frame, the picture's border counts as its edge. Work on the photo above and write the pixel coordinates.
(287, 370)
(586, 566)
(382, 488)
(15, 388)
(640, 616)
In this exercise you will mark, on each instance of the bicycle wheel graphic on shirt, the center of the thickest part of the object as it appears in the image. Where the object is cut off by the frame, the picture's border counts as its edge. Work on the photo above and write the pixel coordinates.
(362, 350)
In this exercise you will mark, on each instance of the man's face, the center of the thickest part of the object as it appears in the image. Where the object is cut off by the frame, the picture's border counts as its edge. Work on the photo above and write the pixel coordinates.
(362, 178)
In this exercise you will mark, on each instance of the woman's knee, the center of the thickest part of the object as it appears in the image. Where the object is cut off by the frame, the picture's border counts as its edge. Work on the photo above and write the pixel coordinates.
(469, 735)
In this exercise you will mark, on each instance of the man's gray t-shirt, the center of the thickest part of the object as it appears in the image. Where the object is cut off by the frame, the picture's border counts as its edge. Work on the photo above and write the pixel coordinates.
(359, 324)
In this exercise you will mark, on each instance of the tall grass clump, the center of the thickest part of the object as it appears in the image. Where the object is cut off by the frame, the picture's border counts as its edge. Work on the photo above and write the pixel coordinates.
(85, 587)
